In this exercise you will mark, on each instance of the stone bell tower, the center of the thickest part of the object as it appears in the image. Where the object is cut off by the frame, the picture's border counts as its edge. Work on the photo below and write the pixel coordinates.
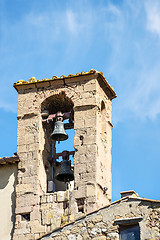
(84, 104)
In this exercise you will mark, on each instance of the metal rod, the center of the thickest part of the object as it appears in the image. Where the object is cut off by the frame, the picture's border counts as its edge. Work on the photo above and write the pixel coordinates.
(69, 203)
(52, 164)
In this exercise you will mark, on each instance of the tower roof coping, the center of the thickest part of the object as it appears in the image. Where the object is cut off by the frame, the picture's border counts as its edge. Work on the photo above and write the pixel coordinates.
(33, 80)
(128, 193)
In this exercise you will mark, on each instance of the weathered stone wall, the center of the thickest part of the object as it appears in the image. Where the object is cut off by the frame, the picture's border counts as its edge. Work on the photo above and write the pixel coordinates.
(103, 225)
(104, 143)
(92, 159)
(54, 208)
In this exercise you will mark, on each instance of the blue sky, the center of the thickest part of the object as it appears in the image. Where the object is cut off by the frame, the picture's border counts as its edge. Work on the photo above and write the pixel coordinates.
(121, 39)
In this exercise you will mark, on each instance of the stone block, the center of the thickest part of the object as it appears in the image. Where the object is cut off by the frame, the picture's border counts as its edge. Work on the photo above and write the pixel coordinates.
(91, 165)
(79, 115)
(71, 218)
(27, 200)
(90, 101)
(33, 146)
(56, 223)
(22, 156)
(90, 86)
(90, 139)
(91, 190)
(55, 197)
(81, 158)
(100, 238)
(47, 215)
(72, 237)
(18, 218)
(80, 88)
(19, 237)
(82, 167)
(77, 141)
(90, 224)
(91, 131)
(89, 122)
(64, 219)
(35, 214)
(36, 236)
(97, 218)
(91, 113)
(49, 198)
(75, 230)
(23, 228)
(89, 176)
(79, 123)
(79, 102)
(80, 150)
(26, 139)
(44, 206)
(26, 179)
(66, 195)
(36, 227)
(21, 148)
(113, 235)
(91, 149)
(80, 192)
(25, 209)
(60, 196)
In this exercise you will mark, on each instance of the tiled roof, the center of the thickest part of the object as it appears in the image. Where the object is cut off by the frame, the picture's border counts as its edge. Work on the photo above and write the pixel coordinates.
(33, 80)
(9, 160)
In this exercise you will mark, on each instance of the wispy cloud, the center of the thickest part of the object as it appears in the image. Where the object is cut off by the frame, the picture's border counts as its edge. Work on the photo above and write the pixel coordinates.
(153, 16)
(72, 23)
(117, 39)
(134, 64)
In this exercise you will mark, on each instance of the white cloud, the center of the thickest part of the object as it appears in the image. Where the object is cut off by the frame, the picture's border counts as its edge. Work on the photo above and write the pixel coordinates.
(72, 24)
(111, 37)
(134, 66)
(153, 16)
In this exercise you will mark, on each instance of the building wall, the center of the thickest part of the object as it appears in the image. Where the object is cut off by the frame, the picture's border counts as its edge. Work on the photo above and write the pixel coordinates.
(8, 177)
(104, 224)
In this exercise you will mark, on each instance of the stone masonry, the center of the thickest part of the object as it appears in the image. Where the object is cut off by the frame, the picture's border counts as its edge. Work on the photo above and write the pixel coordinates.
(105, 223)
(88, 96)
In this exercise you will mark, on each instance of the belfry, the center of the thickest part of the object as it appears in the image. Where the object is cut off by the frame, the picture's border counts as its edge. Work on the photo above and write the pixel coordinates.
(47, 110)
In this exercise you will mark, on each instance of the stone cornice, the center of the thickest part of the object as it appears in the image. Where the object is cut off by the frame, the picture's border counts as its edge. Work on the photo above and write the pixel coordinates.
(33, 80)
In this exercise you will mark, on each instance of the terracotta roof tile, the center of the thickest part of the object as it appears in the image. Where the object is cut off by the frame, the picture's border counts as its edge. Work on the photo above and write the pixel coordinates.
(9, 160)
(33, 80)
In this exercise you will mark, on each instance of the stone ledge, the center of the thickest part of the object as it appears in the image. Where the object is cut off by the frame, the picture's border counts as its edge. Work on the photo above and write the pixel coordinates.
(125, 221)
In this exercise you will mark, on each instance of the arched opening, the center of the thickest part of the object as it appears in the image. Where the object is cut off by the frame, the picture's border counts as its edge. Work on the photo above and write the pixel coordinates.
(53, 151)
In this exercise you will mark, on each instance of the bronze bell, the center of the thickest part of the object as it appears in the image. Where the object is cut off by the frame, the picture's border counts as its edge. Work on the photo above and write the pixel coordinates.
(65, 174)
(59, 133)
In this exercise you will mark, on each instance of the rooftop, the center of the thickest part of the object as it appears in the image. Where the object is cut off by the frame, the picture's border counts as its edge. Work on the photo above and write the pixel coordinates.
(9, 160)
(33, 80)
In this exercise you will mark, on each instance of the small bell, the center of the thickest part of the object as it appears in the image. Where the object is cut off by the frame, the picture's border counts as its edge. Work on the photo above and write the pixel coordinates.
(59, 133)
(65, 174)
